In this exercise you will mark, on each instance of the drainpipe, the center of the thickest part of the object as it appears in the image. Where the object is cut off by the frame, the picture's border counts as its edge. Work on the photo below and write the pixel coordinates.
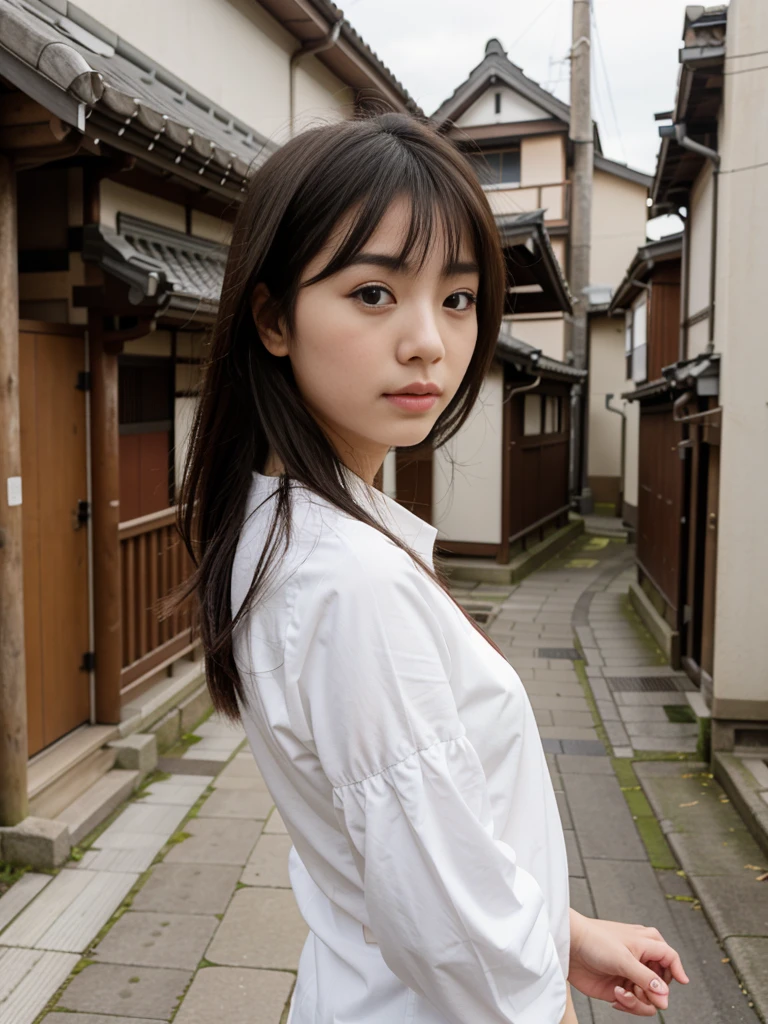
(620, 412)
(315, 46)
(711, 154)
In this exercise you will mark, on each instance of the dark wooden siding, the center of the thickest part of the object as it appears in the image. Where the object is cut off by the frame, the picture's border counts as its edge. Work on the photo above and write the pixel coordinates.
(538, 465)
(663, 326)
(414, 481)
(659, 528)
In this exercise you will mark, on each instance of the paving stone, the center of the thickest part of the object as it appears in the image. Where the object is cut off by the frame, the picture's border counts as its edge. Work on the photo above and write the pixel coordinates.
(219, 726)
(174, 792)
(242, 766)
(69, 912)
(664, 743)
(565, 732)
(551, 746)
(150, 939)
(216, 841)
(626, 890)
(28, 979)
(734, 905)
(93, 1018)
(188, 888)
(237, 803)
(617, 734)
(562, 806)
(261, 928)
(584, 748)
(575, 863)
(539, 703)
(143, 818)
(751, 954)
(150, 992)
(268, 864)
(663, 730)
(19, 895)
(578, 719)
(628, 698)
(625, 752)
(581, 898)
(570, 764)
(275, 824)
(542, 717)
(235, 996)
(608, 710)
(599, 687)
(602, 818)
(554, 689)
(643, 713)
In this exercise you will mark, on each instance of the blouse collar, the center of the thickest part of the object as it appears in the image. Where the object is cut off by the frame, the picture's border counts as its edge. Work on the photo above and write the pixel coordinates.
(415, 532)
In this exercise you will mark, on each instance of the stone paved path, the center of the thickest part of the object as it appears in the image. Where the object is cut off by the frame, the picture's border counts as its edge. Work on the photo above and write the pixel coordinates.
(181, 909)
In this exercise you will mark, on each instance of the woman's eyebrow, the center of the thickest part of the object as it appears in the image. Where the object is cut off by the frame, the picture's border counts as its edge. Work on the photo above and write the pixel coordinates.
(395, 264)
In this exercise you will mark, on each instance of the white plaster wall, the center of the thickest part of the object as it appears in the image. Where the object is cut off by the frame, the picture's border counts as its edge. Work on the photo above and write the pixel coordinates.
(117, 198)
(700, 251)
(389, 483)
(607, 371)
(698, 338)
(232, 51)
(513, 108)
(468, 507)
(545, 333)
(542, 160)
(213, 228)
(741, 637)
(619, 216)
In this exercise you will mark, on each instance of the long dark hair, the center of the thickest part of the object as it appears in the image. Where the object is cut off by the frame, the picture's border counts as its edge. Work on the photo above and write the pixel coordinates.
(250, 402)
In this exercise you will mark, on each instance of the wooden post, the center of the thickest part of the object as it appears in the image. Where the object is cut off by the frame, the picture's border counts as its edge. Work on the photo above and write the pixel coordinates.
(13, 697)
(105, 470)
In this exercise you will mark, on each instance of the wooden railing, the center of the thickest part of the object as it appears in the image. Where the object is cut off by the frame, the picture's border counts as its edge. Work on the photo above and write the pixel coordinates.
(153, 561)
(553, 197)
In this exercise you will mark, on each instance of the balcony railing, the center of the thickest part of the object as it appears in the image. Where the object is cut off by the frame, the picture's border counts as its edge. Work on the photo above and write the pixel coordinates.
(554, 198)
(153, 562)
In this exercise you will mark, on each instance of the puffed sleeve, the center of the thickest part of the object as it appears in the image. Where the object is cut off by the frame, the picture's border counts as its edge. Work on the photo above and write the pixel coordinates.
(456, 918)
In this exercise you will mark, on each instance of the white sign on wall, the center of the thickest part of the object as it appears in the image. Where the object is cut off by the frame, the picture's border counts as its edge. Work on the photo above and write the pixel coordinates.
(14, 490)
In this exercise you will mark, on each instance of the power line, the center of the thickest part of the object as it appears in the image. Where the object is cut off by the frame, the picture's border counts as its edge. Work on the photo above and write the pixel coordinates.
(530, 24)
(607, 80)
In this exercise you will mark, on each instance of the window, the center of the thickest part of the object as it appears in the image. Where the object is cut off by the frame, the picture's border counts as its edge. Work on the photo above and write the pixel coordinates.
(497, 103)
(499, 168)
(552, 414)
(532, 415)
(639, 367)
(542, 414)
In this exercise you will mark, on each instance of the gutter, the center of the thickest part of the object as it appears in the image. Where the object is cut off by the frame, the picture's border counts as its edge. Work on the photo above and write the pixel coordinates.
(307, 49)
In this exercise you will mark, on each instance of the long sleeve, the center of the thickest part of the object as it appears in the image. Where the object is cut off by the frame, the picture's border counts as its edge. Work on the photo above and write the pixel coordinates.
(456, 918)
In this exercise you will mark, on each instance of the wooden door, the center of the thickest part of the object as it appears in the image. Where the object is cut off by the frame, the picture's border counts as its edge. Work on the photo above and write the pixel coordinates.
(144, 458)
(414, 481)
(55, 549)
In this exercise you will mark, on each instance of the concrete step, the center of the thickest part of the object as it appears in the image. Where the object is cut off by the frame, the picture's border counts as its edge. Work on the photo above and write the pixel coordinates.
(48, 768)
(63, 789)
(94, 805)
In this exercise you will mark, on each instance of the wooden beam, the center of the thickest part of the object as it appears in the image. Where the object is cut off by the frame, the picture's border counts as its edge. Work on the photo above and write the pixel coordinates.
(105, 441)
(13, 697)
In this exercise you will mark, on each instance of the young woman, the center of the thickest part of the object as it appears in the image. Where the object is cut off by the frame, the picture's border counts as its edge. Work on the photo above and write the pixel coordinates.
(360, 310)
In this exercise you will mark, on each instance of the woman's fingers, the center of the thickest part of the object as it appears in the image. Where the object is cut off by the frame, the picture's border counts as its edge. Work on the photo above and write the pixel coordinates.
(629, 1002)
(662, 955)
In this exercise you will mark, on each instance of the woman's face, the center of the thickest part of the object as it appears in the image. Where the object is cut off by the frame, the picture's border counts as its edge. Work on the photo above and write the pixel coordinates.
(371, 330)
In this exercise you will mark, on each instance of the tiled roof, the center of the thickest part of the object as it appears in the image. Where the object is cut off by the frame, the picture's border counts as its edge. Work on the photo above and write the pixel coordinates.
(532, 360)
(127, 95)
(176, 272)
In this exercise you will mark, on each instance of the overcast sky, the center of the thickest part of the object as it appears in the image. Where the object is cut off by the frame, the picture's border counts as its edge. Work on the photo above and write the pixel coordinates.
(432, 45)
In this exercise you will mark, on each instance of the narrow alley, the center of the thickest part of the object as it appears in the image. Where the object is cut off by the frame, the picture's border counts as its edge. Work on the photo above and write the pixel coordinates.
(180, 908)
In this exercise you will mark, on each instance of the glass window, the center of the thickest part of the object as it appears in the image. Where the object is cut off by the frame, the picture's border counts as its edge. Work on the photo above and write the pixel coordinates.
(532, 415)
(552, 414)
(497, 103)
(510, 166)
(639, 346)
(497, 168)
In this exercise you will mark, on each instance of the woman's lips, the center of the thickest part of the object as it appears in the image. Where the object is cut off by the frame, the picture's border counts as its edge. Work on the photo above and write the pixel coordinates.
(413, 403)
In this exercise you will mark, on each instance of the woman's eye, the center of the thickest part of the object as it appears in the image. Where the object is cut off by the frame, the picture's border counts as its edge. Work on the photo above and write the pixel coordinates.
(372, 295)
(460, 301)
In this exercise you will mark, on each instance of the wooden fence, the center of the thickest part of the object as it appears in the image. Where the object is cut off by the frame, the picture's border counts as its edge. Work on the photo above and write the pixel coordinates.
(153, 562)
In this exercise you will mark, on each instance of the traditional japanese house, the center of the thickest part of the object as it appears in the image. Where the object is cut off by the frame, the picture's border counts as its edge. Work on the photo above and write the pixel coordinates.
(517, 134)
(502, 482)
(119, 177)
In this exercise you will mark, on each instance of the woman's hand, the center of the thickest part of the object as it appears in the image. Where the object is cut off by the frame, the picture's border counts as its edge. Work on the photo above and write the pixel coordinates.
(628, 965)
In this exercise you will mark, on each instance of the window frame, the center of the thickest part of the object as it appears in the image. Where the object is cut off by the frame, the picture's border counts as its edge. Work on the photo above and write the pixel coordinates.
(476, 157)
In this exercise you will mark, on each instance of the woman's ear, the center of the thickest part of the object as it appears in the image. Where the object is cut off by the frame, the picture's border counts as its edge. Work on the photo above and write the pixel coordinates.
(267, 322)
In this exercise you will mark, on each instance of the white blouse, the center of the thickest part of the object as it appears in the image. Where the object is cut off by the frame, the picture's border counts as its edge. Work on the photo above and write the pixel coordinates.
(401, 751)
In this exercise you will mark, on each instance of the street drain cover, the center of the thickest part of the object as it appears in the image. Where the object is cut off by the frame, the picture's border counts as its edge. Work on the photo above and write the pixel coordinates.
(647, 684)
(566, 653)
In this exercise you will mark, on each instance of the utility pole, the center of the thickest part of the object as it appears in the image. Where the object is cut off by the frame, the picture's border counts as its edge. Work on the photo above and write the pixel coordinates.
(582, 140)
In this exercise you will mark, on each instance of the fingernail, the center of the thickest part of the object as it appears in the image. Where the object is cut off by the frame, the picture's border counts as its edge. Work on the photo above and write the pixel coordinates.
(619, 989)
(658, 986)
